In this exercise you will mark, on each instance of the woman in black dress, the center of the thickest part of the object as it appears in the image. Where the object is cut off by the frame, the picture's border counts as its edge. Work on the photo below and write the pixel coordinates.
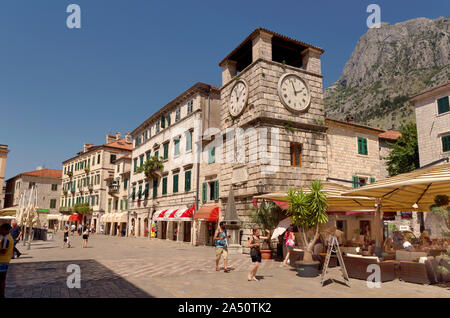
(85, 236)
(66, 237)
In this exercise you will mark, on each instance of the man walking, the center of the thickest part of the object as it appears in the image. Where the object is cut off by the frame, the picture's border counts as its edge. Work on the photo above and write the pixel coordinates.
(221, 246)
(16, 234)
(6, 251)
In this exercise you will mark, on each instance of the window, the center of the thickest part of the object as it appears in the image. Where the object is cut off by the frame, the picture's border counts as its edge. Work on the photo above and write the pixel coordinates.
(163, 122)
(125, 183)
(176, 148)
(155, 187)
(166, 151)
(112, 158)
(157, 154)
(31, 184)
(134, 165)
(177, 114)
(359, 181)
(362, 146)
(446, 143)
(189, 140)
(147, 156)
(147, 185)
(98, 159)
(116, 204)
(296, 155)
(212, 155)
(443, 105)
(187, 180)
(175, 183)
(140, 192)
(204, 190)
(372, 180)
(214, 190)
(109, 205)
(157, 128)
(54, 187)
(164, 185)
(53, 204)
(121, 204)
(190, 106)
(133, 194)
(168, 120)
(141, 161)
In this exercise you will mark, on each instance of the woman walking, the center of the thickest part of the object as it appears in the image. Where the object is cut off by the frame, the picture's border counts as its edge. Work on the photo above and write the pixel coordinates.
(255, 252)
(66, 237)
(85, 236)
(289, 243)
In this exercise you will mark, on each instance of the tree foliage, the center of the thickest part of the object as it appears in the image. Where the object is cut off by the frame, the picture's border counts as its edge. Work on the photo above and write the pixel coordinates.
(404, 155)
(151, 167)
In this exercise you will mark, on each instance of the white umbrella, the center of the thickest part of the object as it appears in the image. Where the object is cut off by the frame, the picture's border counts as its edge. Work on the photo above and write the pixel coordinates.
(281, 227)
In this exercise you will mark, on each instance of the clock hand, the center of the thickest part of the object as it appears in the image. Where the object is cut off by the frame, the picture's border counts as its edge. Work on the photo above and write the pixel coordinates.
(295, 92)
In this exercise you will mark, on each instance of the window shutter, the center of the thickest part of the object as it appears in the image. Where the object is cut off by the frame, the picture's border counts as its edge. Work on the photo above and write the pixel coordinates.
(189, 141)
(166, 150)
(155, 187)
(212, 155)
(443, 105)
(175, 183)
(355, 182)
(164, 185)
(163, 122)
(372, 180)
(365, 146)
(216, 190)
(187, 180)
(204, 190)
(446, 143)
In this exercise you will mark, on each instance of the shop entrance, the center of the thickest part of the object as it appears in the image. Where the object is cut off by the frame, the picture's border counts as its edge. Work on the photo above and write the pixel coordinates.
(187, 231)
(163, 230)
(175, 231)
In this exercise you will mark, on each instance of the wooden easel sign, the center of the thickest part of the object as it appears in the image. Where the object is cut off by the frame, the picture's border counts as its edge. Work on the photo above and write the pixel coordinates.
(333, 246)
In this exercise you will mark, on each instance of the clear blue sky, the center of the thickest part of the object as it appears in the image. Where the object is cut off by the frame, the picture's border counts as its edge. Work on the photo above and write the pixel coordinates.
(60, 87)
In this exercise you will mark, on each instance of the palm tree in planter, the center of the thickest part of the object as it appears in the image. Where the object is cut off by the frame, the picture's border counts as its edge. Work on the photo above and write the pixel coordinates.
(266, 216)
(308, 212)
(152, 168)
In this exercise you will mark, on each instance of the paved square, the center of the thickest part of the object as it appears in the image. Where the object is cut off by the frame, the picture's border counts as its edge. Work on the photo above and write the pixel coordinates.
(138, 267)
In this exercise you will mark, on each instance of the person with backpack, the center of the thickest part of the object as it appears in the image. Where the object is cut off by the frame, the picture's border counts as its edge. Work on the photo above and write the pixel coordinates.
(289, 242)
(221, 246)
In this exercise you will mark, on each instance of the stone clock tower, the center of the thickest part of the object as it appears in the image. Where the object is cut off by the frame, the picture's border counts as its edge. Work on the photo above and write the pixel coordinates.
(272, 99)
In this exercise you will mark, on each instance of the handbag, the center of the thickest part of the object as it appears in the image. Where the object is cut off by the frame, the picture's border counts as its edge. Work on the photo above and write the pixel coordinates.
(253, 252)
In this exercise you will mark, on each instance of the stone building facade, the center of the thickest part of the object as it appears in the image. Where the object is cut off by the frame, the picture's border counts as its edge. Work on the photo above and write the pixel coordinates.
(272, 130)
(3, 156)
(174, 134)
(433, 123)
(48, 185)
(85, 176)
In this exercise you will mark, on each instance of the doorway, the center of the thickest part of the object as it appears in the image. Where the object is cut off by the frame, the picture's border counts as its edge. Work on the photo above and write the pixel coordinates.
(187, 231)
(163, 230)
(175, 230)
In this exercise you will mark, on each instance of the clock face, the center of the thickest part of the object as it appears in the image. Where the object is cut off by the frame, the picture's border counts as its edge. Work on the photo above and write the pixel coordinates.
(238, 98)
(294, 92)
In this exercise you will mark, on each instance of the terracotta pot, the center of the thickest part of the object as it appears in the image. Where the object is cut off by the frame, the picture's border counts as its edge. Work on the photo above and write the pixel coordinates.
(307, 269)
(266, 254)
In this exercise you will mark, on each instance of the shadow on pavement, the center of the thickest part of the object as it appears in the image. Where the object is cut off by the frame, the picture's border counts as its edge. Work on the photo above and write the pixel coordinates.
(49, 280)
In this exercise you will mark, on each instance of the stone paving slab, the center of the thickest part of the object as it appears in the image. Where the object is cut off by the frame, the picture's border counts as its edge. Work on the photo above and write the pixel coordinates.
(135, 267)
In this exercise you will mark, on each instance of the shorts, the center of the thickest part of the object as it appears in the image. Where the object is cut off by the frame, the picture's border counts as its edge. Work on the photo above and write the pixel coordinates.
(85, 237)
(289, 248)
(221, 251)
(3, 270)
(66, 239)
(256, 258)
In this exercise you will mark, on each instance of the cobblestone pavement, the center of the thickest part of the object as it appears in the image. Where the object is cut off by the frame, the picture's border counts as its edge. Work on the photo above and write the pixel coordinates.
(137, 267)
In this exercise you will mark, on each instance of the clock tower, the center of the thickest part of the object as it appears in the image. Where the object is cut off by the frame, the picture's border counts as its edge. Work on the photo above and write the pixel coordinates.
(272, 116)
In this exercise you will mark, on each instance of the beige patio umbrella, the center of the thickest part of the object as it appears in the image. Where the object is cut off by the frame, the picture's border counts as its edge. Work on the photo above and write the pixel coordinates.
(415, 190)
(337, 202)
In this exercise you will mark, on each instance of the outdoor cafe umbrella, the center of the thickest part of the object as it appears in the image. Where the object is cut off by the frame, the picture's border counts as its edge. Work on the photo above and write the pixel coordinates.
(416, 190)
(336, 201)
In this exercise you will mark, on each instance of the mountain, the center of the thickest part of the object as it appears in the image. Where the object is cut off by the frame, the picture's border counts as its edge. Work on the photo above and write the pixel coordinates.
(387, 66)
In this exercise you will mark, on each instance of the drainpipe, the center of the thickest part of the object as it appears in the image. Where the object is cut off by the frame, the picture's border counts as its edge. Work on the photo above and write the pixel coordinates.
(128, 206)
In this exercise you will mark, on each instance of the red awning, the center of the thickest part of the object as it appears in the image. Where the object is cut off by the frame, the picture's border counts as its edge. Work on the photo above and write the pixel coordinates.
(172, 215)
(161, 215)
(188, 213)
(283, 205)
(207, 213)
(76, 217)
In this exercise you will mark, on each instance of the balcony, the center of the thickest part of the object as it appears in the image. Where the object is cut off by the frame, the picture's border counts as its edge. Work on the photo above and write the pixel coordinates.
(113, 187)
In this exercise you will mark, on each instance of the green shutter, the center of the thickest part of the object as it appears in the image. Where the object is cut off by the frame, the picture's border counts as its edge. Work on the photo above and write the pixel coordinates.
(155, 187)
(355, 182)
(372, 180)
(163, 122)
(362, 146)
(164, 185)
(121, 204)
(212, 155)
(189, 141)
(216, 190)
(175, 183)
(135, 165)
(187, 180)
(204, 191)
(166, 151)
(446, 143)
(443, 105)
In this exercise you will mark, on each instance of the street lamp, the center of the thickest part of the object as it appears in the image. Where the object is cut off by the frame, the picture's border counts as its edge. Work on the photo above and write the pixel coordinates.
(260, 187)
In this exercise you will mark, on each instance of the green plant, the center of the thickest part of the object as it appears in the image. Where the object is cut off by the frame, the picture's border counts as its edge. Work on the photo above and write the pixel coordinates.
(404, 156)
(151, 168)
(266, 217)
(289, 127)
(263, 74)
(442, 210)
(81, 208)
(238, 78)
(392, 228)
(87, 169)
(283, 64)
(308, 211)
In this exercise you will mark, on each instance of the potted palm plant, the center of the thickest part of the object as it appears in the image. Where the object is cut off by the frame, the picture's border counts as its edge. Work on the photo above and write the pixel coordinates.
(152, 168)
(267, 218)
(308, 212)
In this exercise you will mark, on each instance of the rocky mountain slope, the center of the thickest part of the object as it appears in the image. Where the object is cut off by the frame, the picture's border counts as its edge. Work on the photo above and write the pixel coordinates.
(387, 66)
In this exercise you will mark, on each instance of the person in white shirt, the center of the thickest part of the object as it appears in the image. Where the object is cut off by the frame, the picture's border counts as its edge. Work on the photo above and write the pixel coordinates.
(407, 245)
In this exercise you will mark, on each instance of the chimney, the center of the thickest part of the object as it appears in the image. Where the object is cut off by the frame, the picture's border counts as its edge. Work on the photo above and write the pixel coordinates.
(128, 138)
(118, 135)
(86, 146)
(39, 168)
(110, 138)
(349, 118)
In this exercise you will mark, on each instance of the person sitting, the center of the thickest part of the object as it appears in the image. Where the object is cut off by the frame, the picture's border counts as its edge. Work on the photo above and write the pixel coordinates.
(407, 245)
(389, 245)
